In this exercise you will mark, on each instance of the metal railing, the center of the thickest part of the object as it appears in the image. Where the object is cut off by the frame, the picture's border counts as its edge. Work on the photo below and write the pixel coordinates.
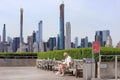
(116, 63)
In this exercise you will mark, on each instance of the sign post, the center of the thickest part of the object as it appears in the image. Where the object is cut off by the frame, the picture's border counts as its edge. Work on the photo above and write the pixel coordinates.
(96, 49)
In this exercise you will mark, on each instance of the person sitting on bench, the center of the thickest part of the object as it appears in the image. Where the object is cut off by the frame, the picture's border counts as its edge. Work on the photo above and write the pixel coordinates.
(65, 65)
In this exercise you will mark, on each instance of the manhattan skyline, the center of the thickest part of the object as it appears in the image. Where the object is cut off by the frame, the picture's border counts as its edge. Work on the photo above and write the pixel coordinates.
(85, 17)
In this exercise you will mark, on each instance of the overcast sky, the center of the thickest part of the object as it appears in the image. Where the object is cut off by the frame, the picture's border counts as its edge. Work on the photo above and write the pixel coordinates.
(86, 17)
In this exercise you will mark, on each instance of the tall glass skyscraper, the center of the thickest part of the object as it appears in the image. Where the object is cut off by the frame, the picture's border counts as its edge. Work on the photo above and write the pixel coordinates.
(52, 43)
(40, 31)
(98, 36)
(16, 44)
(34, 36)
(106, 33)
(76, 42)
(102, 36)
(37, 37)
(62, 40)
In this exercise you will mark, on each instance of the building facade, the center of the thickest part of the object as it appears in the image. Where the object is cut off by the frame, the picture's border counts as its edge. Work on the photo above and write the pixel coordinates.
(84, 42)
(4, 33)
(108, 42)
(4, 39)
(21, 25)
(62, 40)
(37, 37)
(58, 41)
(68, 36)
(52, 43)
(106, 33)
(34, 36)
(102, 36)
(16, 43)
(76, 42)
(40, 24)
(30, 43)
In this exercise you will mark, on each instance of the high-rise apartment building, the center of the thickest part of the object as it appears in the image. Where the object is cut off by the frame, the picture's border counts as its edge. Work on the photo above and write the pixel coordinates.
(4, 33)
(108, 42)
(52, 43)
(106, 33)
(84, 42)
(76, 42)
(21, 47)
(98, 36)
(37, 37)
(68, 36)
(62, 40)
(34, 36)
(40, 24)
(102, 36)
(9, 40)
(21, 25)
(58, 41)
(4, 39)
(16, 44)
(30, 43)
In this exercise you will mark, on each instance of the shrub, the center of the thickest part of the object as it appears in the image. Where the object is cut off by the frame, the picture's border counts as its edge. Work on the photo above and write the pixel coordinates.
(80, 53)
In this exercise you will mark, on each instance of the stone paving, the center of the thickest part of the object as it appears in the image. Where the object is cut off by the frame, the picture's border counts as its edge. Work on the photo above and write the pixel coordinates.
(31, 73)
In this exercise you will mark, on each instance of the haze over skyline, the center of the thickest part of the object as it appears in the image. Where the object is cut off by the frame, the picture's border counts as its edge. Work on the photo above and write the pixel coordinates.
(85, 16)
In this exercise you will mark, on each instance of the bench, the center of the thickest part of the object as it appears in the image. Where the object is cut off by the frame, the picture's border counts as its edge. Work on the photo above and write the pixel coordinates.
(75, 68)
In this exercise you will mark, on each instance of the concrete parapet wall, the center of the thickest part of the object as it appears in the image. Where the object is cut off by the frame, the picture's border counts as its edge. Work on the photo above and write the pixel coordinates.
(107, 70)
(17, 62)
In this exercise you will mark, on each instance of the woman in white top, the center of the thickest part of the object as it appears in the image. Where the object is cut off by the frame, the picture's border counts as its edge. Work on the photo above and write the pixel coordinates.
(66, 64)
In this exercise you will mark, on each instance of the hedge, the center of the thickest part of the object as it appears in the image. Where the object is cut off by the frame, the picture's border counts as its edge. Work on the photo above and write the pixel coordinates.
(80, 53)
(76, 53)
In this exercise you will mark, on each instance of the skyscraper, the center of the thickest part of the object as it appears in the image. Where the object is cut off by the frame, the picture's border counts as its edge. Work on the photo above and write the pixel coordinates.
(21, 25)
(58, 41)
(102, 36)
(76, 42)
(106, 33)
(68, 36)
(37, 37)
(40, 31)
(62, 41)
(34, 36)
(84, 42)
(9, 40)
(30, 43)
(4, 44)
(98, 36)
(108, 42)
(16, 44)
(52, 43)
(4, 33)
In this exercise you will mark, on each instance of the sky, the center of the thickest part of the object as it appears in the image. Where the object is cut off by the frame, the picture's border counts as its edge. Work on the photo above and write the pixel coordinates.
(85, 16)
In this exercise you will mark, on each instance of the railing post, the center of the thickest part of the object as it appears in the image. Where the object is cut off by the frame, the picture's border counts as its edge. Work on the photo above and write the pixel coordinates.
(115, 67)
(99, 66)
